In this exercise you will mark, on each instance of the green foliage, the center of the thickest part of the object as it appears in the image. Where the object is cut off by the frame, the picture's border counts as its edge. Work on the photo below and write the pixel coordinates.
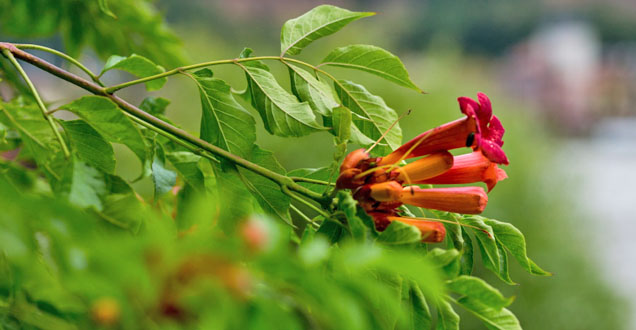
(281, 112)
(319, 22)
(371, 117)
(371, 59)
(138, 66)
(216, 246)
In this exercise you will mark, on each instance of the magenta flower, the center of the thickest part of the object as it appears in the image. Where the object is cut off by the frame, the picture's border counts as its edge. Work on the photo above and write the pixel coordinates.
(489, 138)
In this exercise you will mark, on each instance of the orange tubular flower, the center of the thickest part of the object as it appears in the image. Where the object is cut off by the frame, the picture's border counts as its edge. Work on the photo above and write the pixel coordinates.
(381, 185)
(425, 168)
(470, 168)
(432, 231)
(467, 200)
(456, 134)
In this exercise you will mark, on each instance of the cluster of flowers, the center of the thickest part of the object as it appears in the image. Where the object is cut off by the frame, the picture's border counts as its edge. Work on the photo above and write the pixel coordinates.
(381, 185)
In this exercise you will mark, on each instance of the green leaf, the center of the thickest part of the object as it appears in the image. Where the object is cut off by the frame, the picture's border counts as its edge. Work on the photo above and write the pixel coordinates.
(121, 205)
(447, 319)
(106, 118)
(163, 179)
(442, 257)
(309, 89)
(281, 112)
(341, 121)
(227, 125)
(154, 105)
(187, 165)
(319, 22)
(321, 173)
(103, 6)
(400, 233)
(493, 318)
(89, 145)
(83, 185)
(372, 117)
(479, 290)
(234, 198)
(512, 239)
(349, 206)
(371, 59)
(36, 135)
(332, 230)
(418, 311)
(490, 253)
(246, 53)
(224, 123)
(267, 193)
(138, 66)
(467, 256)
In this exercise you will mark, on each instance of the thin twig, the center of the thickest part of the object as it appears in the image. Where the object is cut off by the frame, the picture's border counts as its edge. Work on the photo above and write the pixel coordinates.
(73, 61)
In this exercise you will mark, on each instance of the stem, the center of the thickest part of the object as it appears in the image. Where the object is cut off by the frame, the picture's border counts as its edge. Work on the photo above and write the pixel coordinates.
(285, 189)
(39, 102)
(173, 138)
(189, 141)
(64, 56)
(304, 216)
(314, 181)
(174, 71)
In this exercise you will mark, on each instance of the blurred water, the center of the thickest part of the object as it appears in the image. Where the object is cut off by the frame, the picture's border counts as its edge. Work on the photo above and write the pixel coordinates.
(604, 168)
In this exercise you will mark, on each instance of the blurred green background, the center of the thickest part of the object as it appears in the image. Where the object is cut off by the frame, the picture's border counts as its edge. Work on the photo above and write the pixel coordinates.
(561, 76)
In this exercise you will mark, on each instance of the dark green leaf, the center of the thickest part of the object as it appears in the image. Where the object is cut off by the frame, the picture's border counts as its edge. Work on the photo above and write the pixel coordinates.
(309, 89)
(371, 59)
(332, 230)
(83, 185)
(267, 193)
(121, 205)
(162, 178)
(479, 290)
(447, 319)
(154, 105)
(321, 21)
(138, 66)
(372, 117)
(233, 196)
(442, 257)
(418, 311)
(349, 206)
(512, 239)
(400, 233)
(466, 259)
(487, 244)
(107, 119)
(224, 123)
(281, 112)
(89, 145)
(103, 6)
(493, 318)
(187, 165)
(37, 136)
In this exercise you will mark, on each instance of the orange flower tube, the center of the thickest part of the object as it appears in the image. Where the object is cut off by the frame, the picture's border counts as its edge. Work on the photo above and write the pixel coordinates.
(456, 134)
(470, 168)
(426, 167)
(432, 231)
(466, 200)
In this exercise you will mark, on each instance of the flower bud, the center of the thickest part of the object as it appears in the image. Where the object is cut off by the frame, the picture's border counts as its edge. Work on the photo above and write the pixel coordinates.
(353, 159)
